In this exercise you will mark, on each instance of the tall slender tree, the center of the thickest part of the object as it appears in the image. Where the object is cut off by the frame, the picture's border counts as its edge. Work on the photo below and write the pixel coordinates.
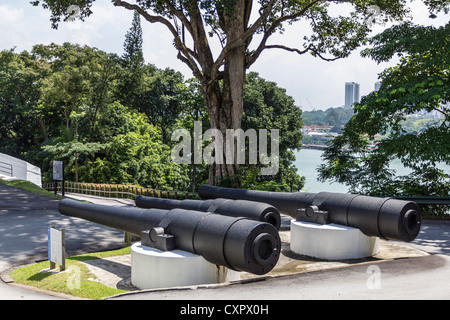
(133, 64)
(133, 56)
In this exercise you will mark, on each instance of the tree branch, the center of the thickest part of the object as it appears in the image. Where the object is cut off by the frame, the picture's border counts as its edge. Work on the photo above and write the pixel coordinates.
(250, 31)
(189, 55)
(267, 33)
(243, 39)
(275, 46)
(309, 48)
(150, 18)
(180, 15)
(201, 51)
(317, 53)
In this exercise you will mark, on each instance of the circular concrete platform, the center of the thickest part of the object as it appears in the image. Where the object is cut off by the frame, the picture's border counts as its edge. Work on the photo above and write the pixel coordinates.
(152, 268)
(331, 241)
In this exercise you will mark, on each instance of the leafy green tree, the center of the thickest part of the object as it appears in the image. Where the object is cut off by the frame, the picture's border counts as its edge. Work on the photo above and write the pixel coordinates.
(193, 109)
(105, 72)
(128, 151)
(330, 117)
(69, 152)
(134, 154)
(20, 81)
(62, 93)
(267, 106)
(159, 98)
(420, 82)
(82, 80)
(244, 38)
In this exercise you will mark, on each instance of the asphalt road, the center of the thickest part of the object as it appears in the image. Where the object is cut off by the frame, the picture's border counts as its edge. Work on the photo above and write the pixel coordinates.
(24, 218)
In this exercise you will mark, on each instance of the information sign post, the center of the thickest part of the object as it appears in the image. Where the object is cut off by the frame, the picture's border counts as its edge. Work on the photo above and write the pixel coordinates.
(56, 248)
(58, 175)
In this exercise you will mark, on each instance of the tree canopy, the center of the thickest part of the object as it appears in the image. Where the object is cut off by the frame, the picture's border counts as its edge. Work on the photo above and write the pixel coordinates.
(419, 83)
(244, 29)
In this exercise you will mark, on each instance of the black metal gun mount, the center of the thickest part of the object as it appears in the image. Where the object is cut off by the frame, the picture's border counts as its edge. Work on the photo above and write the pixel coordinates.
(237, 243)
(234, 208)
(386, 218)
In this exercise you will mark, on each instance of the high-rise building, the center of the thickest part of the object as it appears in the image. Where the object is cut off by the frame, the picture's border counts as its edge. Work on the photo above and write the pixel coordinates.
(351, 94)
(377, 85)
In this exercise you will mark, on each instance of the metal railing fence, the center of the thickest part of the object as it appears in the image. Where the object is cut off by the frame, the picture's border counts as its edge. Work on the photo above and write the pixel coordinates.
(426, 200)
(117, 190)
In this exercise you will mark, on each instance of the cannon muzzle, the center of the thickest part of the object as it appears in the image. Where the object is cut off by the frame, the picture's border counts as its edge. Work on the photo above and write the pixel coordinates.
(386, 218)
(237, 243)
(234, 208)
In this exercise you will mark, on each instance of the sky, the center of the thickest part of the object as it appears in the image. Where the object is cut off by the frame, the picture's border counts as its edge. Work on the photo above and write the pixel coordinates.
(312, 82)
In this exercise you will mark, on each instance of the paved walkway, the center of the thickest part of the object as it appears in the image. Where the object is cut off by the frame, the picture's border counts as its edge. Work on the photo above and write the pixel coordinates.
(24, 219)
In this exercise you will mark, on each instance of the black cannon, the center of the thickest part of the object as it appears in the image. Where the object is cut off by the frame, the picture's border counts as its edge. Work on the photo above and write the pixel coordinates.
(234, 208)
(237, 243)
(386, 218)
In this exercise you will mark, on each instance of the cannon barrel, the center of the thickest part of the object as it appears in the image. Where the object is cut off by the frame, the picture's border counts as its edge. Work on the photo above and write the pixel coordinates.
(234, 208)
(386, 218)
(237, 243)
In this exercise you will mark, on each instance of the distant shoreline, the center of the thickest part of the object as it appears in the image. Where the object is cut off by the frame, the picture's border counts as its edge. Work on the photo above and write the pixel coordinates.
(314, 146)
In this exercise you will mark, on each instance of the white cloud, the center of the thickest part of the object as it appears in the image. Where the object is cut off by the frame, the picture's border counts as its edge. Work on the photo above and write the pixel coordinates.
(104, 29)
(9, 15)
(310, 81)
(80, 32)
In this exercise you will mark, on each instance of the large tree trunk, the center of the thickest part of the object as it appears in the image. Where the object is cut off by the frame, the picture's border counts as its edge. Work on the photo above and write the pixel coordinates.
(226, 103)
(225, 106)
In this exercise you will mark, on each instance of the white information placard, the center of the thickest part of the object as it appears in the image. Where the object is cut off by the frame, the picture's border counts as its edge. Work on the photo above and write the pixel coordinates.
(58, 170)
(56, 246)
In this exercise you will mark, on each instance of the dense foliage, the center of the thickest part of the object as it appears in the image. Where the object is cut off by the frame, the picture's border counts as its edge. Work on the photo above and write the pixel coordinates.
(330, 117)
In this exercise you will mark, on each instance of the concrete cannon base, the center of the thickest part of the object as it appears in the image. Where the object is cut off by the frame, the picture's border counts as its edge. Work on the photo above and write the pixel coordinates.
(331, 241)
(152, 268)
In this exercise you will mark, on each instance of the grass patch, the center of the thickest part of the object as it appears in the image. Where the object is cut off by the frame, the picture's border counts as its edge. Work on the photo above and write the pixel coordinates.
(73, 281)
(31, 187)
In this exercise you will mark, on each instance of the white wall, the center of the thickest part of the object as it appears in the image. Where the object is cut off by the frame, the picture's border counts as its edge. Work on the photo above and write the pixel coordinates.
(20, 169)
